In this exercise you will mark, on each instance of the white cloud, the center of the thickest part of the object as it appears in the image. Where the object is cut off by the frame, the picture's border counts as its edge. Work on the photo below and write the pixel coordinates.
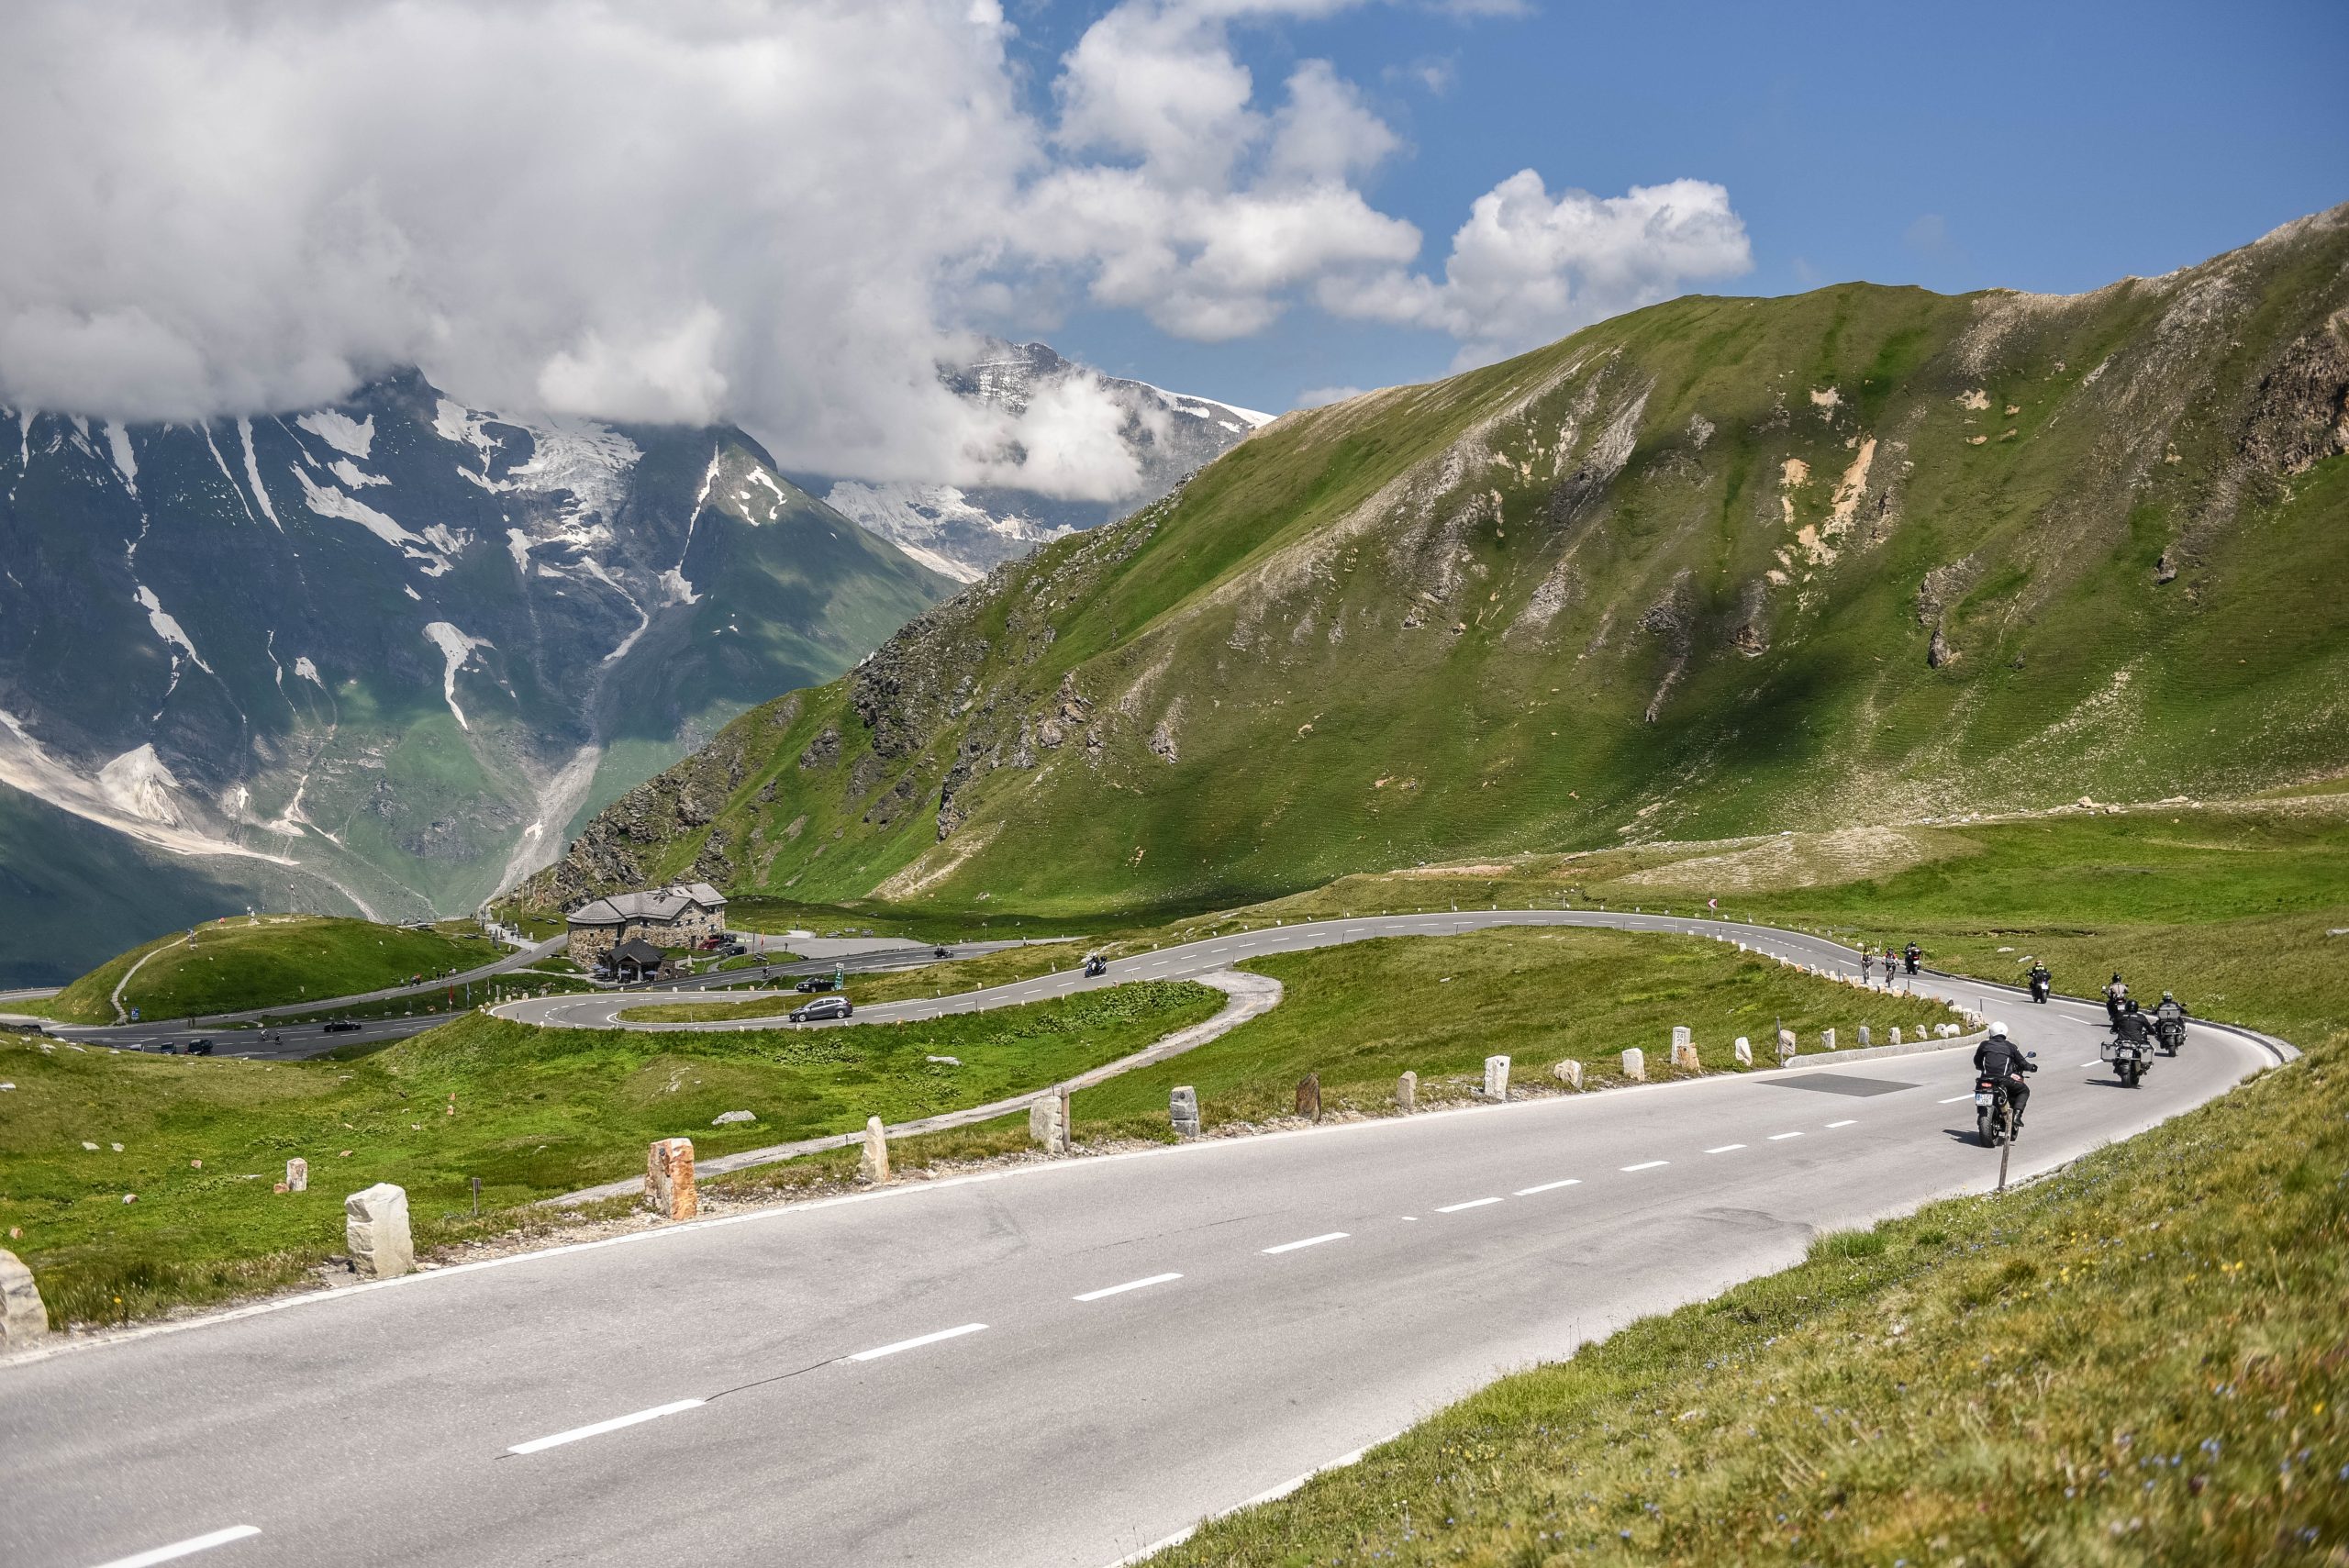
(1315, 396)
(782, 214)
(1527, 267)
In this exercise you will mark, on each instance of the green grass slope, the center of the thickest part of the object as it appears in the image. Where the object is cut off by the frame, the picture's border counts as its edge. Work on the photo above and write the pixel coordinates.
(1718, 566)
(236, 964)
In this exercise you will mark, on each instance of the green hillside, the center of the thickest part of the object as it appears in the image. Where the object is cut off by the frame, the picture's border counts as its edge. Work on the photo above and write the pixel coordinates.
(237, 964)
(1718, 566)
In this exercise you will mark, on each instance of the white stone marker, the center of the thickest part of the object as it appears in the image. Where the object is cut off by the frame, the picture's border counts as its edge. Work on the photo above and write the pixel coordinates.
(1684, 1049)
(23, 1318)
(1745, 1049)
(1568, 1072)
(297, 1175)
(1182, 1110)
(1864, 1037)
(1786, 1045)
(1497, 1077)
(1895, 1034)
(375, 1232)
(1045, 1126)
(1826, 1039)
(1635, 1065)
(1407, 1092)
(874, 1168)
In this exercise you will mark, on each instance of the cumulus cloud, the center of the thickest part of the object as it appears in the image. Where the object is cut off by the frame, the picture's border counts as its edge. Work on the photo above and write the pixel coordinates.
(788, 215)
(1527, 267)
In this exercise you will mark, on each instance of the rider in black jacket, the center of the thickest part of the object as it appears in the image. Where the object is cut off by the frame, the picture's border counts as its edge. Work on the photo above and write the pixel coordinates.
(1998, 1057)
(2132, 1025)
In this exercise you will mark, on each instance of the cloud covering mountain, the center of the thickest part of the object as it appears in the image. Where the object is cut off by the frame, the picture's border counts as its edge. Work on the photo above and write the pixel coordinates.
(782, 216)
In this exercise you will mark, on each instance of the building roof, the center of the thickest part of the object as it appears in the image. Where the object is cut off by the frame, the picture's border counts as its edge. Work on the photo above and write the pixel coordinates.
(659, 904)
(639, 951)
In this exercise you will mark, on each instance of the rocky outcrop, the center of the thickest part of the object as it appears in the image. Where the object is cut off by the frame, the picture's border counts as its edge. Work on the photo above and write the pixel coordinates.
(2301, 414)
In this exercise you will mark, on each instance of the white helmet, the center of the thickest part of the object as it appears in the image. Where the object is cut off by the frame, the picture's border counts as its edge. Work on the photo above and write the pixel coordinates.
(1997, 1030)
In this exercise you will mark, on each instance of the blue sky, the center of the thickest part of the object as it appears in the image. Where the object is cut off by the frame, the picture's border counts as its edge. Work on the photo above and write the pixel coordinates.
(2049, 147)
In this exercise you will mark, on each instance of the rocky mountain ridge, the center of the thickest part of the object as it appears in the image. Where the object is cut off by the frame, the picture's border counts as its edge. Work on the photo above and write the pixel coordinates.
(380, 657)
(965, 532)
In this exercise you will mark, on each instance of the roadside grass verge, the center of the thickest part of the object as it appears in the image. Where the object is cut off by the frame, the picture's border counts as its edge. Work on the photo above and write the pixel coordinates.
(1362, 1014)
(236, 964)
(531, 1112)
(2139, 1359)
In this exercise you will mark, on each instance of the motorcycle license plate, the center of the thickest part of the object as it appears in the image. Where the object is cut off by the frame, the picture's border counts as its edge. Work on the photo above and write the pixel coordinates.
(1982, 1099)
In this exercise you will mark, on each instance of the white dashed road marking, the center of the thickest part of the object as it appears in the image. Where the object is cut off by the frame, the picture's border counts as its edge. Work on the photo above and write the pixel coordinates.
(1726, 1149)
(1833, 1124)
(916, 1343)
(600, 1428)
(1308, 1241)
(1954, 1098)
(1472, 1203)
(1777, 1136)
(183, 1548)
(1647, 1165)
(1130, 1285)
(1548, 1188)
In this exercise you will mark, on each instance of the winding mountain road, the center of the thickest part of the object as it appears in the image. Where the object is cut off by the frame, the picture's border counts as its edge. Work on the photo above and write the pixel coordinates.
(1060, 1362)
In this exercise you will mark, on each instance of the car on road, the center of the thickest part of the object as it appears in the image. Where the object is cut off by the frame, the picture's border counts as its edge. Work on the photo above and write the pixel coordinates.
(817, 982)
(339, 1025)
(823, 1007)
(199, 1048)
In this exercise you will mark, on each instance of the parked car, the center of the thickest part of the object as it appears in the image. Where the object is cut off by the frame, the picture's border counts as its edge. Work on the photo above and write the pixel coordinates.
(817, 982)
(823, 1007)
(733, 950)
(339, 1025)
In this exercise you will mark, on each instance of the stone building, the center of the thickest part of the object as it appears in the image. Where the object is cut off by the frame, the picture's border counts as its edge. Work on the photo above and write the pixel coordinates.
(677, 917)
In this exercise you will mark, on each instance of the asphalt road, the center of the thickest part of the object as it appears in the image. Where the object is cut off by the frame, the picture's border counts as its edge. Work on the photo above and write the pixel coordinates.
(1060, 1363)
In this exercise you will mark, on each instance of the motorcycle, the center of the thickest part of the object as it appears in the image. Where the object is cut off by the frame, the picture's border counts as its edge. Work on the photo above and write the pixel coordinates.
(1095, 966)
(1994, 1113)
(1910, 959)
(2039, 986)
(2131, 1059)
(2172, 1034)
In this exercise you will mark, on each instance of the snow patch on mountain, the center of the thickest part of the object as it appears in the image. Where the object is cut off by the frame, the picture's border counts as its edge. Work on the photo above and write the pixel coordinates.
(350, 474)
(328, 502)
(126, 461)
(252, 472)
(354, 437)
(308, 671)
(168, 627)
(455, 648)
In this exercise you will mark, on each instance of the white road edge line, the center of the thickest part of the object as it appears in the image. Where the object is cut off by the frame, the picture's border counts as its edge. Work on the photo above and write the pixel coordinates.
(1308, 1241)
(1848, 1121)
(1782, 1137)
(1472, 1203)
(1726, 1149)
(187, 1548)
(1130, 1285)
(1646, 1166)
(600, 1428)
(915, 1343)
(1547, 1187)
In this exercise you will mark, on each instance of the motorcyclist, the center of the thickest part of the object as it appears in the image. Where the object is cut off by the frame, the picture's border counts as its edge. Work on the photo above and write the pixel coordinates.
(2169, 1017)
(2133, 1026)
(2000, 1058)
(2041, 979)
(1913, 954)
(2114, 995)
